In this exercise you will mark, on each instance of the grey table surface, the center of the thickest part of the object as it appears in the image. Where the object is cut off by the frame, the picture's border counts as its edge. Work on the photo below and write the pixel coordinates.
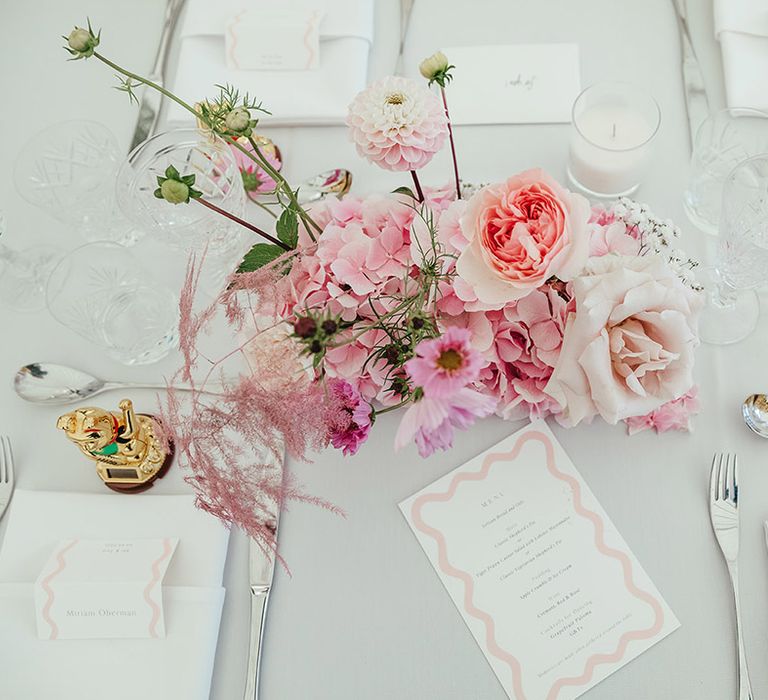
(362, 614)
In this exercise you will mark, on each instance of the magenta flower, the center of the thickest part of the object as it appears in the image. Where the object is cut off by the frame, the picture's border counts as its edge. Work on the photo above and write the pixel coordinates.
(446, 364)
(397, 124)
(256, 180)
(430, 422)
(350, 424)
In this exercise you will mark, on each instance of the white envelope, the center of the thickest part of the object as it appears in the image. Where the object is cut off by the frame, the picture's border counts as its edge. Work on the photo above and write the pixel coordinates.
(318, 96)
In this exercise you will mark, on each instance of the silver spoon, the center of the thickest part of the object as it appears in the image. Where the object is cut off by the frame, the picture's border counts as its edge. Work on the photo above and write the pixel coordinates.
(49, 383)
(336, 182)
(755, 413)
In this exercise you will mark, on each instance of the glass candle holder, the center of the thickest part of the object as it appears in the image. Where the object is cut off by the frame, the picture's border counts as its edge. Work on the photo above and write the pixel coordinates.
(613, 129)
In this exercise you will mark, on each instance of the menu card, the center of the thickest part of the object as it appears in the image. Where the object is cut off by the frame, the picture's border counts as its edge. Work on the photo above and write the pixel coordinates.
(542, 578)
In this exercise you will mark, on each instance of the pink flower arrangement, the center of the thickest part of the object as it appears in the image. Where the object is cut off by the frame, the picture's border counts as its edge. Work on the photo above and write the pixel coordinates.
(521, 300)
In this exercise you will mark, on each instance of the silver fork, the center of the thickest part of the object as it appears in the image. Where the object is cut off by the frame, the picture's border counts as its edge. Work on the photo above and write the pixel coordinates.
(6, 473)
(724, 513)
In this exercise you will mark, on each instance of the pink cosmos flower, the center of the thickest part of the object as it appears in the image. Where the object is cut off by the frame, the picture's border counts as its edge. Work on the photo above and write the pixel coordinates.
(445, 364)
(255, 178)
(350, 427)
(397, 124)
(431, 422)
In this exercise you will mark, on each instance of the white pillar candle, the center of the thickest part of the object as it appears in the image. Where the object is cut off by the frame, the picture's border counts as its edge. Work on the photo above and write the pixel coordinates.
(613, 129)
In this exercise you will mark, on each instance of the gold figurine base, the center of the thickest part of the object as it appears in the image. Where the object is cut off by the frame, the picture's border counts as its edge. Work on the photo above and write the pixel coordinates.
(126, 447)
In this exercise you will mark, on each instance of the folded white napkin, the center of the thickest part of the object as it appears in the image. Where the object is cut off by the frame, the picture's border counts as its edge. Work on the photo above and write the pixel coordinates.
(178, 666)
(742, 29)
(316, 96)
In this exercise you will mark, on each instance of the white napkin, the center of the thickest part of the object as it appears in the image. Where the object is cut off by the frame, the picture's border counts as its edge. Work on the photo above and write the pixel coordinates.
(294, 97)
(178, 666)
(742, 29)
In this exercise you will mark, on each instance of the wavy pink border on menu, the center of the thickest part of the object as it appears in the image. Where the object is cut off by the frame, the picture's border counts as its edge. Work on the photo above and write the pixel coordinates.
(578, 506)
(153, 581)
(50, 595)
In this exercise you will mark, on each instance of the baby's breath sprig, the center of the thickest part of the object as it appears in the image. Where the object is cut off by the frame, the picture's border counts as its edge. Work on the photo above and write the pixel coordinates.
(657, 237)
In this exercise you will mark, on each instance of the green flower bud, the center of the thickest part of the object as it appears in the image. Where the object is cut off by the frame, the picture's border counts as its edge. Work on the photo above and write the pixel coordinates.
(434, 64)
(81, 43)
(174, 191)
(238, 121)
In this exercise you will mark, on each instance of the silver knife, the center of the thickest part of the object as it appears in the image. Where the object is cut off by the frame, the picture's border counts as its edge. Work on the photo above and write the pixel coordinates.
(696, 100)
(261, 567)
(151, 100)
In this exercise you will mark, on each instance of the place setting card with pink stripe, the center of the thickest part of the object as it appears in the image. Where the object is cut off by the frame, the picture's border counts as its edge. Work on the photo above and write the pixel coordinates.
(544, 581)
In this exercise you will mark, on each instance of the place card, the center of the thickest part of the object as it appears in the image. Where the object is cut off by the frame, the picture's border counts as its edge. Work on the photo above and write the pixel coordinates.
(514, 84)
(273, 38)
(542, 578)
(102, 589)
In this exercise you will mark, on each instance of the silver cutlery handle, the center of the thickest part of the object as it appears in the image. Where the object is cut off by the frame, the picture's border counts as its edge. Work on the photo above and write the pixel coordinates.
(259, 600)
(745, 687)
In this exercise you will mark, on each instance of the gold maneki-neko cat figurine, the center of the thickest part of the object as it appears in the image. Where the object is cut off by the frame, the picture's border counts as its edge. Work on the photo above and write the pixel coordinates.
(128, 453)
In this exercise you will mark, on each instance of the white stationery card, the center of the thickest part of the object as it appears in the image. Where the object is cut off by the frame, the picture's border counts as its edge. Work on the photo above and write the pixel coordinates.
(545, 583)
(514, 84)
(103, 589)
(264, 37)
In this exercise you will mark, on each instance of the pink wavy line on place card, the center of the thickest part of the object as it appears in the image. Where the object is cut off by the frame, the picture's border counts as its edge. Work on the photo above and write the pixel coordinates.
(310, 51)
(152, 583)
(599, 525)
(233, 44)
(50, 595)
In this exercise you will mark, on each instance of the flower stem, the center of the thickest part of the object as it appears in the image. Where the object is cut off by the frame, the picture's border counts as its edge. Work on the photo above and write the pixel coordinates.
(417, 185)
(240, 221)
(148, 83)
(453, 147)
(309, 224)
(260, 204)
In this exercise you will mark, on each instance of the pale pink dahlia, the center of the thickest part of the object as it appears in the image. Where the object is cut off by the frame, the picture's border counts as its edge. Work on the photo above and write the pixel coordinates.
(446, 364)
(397, 124)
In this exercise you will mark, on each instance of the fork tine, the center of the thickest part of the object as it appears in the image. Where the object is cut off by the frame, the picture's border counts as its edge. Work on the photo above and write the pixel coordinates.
(713, 475)
(722, 470)
(3, 459)
(9, 471)
(735, 481)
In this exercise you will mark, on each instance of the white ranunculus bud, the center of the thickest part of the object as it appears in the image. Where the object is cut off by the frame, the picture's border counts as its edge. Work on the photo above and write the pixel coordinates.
(238, 120)
(434, 65)
(82, 42)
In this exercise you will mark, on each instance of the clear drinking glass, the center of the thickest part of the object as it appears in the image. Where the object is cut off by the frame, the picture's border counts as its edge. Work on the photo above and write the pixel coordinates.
(24, 273)
(732, 310)
(724, 139)
(69, 171)
(101, 292)
(189, 227)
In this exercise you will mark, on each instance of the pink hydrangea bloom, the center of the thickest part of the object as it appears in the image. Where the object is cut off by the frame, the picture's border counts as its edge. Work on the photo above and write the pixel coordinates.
(431, 422)
(397, 123)
(444, 365)
(526, 341)
(349, 429)
(673, 415)
(614, 237)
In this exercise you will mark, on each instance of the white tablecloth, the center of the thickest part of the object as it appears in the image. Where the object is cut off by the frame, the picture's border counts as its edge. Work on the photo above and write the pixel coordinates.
(363, 614)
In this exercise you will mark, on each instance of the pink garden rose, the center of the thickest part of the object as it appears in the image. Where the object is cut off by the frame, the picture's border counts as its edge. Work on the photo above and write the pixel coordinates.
(522, 232)
(628, 349)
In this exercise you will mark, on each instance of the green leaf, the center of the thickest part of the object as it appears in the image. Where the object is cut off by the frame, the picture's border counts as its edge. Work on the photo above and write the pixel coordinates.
(188, 179)
(259, 255)
(287, 228)
(406, 191)
(172, 173)
(158, 193)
